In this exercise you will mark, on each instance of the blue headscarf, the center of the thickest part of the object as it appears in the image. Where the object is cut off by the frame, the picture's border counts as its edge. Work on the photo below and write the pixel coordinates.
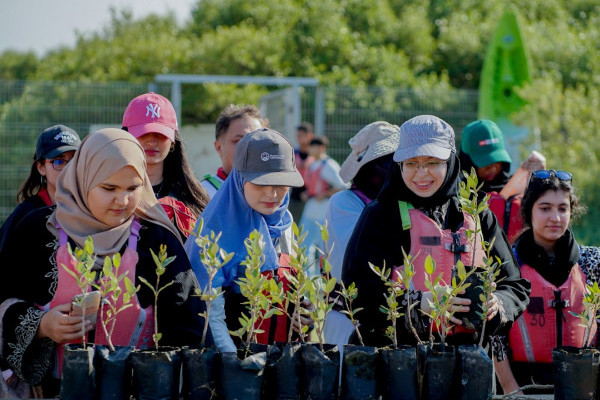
(228, 212)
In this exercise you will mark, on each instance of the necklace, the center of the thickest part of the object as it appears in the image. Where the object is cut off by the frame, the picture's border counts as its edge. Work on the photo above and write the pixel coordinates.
(157, 188)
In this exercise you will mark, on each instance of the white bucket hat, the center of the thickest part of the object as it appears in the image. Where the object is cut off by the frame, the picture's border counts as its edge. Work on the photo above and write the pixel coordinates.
(373, 141)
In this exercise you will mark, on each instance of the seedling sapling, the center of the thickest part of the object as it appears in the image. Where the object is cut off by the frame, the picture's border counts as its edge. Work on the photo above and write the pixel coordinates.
(591, 306)
(112, 293)
(213, 258)
(83, 275)
(161, 261)
(349, 295)
(256, 288)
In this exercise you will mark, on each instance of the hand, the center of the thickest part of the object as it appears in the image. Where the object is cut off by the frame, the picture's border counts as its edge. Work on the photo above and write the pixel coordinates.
(459, 304)
(304, 319)
(57, 325)
(493, 307)
(534, 162)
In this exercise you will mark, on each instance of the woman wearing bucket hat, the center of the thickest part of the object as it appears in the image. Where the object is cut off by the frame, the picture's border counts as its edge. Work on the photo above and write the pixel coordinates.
(418, 210)
(366, 167)
(482, 148)
(151, 119)
(255, 196)
(54, 149)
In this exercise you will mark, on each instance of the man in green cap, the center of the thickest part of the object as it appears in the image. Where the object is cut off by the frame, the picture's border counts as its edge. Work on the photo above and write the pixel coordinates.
(482, 148)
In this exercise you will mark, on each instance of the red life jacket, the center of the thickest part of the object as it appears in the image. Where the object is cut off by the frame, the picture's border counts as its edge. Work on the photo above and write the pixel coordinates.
(134, 326)
(535, 333)
(43, 194)
(444, 246)
(508, 213)
(276, 328)
(315, 184)
(179, 214)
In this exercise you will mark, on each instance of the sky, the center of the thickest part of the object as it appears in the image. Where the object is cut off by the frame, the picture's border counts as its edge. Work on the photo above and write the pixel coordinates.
(43, 25)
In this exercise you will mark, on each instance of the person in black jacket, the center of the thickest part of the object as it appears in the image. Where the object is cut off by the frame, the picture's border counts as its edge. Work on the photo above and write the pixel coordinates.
(423, 187)
(54, 149)
(104, 194)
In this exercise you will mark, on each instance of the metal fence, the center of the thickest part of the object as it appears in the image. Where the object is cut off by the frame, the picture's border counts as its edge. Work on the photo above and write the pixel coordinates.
(26, 108)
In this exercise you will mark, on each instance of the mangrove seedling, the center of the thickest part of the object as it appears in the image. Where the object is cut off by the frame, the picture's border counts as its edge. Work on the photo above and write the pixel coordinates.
(591, 306)
(84, 275)
(349, 295)
(213, 258)
(113, 296)
(161, 261)
(319, 289)
(440, 305)
(256, 288)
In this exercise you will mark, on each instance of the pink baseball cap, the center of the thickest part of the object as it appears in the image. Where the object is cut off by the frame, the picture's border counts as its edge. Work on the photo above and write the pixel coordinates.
(150, 112)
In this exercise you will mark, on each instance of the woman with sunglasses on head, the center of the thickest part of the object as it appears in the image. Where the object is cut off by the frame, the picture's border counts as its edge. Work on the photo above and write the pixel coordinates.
(558, 269)
(54, 149)
(418, 210)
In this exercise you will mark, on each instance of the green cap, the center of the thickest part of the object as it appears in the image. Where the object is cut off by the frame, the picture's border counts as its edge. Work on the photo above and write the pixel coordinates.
(482, 140)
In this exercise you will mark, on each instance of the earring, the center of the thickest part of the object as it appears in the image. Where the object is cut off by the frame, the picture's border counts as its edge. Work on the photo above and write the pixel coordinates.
(172, 149)
(42, 180)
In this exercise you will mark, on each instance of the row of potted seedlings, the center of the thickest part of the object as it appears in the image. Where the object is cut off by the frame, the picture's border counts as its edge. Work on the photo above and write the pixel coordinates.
(298, 369)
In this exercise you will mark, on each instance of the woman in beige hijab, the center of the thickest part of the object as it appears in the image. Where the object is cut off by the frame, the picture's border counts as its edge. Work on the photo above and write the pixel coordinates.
(104, 193)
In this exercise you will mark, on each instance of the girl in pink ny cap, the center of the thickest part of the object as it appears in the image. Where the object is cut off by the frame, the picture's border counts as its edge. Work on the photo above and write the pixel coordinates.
(151, 119)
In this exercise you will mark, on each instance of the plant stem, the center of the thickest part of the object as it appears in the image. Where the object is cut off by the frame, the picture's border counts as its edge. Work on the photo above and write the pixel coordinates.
(205, 329)
(156, 312)
(83, 320)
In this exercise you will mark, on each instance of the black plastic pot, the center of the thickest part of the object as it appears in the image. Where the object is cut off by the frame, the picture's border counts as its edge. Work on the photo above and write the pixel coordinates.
(113, 372)
(399, 373)
(240, 375)
(437, 368)
(198, 372)
(476, 373)
(78, 373)
(156, 373)
(359, 372)
(320, 371)
(575, 372)
(282, 372)
(473, 293)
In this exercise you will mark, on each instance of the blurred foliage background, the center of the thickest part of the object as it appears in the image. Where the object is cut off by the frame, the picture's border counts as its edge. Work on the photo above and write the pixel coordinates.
(413, 44)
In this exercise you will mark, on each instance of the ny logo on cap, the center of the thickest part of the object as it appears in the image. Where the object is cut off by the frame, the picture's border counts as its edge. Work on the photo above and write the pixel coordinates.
(154, 109)
(65, 137)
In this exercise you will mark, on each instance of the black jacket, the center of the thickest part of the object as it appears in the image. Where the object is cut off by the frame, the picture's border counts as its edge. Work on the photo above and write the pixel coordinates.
(378, 238)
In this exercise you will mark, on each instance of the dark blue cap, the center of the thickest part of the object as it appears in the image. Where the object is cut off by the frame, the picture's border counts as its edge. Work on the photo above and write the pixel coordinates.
(56, 140)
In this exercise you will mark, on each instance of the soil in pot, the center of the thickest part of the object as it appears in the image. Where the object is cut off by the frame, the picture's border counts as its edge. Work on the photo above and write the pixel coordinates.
(198, 373)
(156, 373)
(113, 372)
(78, 380)
(359, 373)
(240, 375)
(575, 373)
(437, 367)
(320, 371)
(476, 373)
(399, 373)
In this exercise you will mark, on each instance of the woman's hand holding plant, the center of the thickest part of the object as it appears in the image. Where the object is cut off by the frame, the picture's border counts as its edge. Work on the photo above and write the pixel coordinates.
(459, 305)
(57, 325)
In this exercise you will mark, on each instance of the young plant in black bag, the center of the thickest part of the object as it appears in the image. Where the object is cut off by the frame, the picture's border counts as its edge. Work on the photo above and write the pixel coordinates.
(156, 372)
(399, 363)
(199, 362)
(321, 363)
(112, 368)
(78, 372)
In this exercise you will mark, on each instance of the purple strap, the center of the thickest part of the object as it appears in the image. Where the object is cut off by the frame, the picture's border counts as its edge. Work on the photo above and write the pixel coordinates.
(361, 196)
(132, 243)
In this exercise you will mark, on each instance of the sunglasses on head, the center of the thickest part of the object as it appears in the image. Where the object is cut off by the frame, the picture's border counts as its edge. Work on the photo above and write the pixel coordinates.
(547, 173)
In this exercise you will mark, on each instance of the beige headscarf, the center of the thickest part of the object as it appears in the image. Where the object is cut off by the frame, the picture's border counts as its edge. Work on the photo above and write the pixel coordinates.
(102, 154)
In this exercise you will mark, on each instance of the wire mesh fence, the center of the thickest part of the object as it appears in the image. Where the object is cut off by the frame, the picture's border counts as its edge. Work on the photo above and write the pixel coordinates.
(27, 108)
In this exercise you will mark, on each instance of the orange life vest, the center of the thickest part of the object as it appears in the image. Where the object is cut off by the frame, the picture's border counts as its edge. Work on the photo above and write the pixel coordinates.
(535, 333)
(508, 213)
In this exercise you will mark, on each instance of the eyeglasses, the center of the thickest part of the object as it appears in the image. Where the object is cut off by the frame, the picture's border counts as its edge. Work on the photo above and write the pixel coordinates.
(431, 166)
(547, 173)
(58, 164)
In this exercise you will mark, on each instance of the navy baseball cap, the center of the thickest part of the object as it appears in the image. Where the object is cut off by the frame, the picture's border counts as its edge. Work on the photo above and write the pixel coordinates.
(56, 140)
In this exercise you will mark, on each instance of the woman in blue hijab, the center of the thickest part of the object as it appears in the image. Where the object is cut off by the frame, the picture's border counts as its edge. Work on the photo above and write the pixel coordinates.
(253, 197)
